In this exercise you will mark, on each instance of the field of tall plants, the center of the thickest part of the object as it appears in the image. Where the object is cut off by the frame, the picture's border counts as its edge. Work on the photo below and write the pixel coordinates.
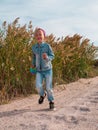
(74, 59)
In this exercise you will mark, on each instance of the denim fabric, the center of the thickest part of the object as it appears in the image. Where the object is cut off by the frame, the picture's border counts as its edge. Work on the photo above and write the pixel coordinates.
(38, 61)
(47, 76)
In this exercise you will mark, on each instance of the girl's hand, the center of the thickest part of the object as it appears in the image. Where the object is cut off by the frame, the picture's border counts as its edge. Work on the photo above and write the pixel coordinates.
(32, 66)
(44, 55)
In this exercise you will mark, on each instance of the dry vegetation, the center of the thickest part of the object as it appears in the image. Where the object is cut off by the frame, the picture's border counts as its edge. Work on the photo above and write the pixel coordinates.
(74, 59)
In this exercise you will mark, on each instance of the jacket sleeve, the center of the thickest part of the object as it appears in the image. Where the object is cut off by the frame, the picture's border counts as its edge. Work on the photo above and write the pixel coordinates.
(50, 54)
(34, 60)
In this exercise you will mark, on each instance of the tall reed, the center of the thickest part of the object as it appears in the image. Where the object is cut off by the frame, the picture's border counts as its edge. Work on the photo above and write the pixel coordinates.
(74, 58)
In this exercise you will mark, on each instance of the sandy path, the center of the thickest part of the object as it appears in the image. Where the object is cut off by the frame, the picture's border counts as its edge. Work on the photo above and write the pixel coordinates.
(76, 103)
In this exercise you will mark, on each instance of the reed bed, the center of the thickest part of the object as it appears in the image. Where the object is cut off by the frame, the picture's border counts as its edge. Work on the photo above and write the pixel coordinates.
(74, 59)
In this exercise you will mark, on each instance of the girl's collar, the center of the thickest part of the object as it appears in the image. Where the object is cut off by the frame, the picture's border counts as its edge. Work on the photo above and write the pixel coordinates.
(40, 44)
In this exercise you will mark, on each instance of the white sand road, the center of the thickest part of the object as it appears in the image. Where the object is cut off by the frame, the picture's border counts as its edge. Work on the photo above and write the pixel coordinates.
(76, 103)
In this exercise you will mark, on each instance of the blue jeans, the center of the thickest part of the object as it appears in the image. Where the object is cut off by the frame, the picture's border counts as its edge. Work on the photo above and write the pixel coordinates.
(47, 76)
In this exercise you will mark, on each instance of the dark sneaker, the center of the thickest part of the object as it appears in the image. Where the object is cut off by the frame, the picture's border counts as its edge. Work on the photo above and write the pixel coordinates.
(51, 104)
(41, 99)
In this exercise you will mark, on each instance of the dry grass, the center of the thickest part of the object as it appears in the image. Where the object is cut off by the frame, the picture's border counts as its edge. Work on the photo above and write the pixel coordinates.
(74, 58)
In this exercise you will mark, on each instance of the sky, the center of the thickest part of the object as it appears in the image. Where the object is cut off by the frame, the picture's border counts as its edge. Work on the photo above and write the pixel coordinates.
(59, 17)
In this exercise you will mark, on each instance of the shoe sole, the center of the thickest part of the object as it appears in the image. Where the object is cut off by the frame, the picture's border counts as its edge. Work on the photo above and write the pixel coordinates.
(54, 109)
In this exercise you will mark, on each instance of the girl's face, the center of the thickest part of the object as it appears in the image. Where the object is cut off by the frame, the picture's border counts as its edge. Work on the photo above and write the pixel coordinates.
(39, 36)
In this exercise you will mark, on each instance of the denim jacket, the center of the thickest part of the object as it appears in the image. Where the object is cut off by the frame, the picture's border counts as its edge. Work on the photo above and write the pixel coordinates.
(38, 61)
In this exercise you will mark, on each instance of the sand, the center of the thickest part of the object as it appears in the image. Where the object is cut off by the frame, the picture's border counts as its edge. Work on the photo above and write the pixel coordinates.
(76, 104)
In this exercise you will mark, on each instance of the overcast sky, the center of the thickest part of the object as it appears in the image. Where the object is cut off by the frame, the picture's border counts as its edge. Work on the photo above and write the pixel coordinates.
(60, 17)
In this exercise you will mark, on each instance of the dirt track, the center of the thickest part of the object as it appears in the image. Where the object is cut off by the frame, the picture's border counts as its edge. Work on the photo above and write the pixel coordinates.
(76, 103)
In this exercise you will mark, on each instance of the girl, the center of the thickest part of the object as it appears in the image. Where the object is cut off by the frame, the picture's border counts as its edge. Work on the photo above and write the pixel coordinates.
(42, 57)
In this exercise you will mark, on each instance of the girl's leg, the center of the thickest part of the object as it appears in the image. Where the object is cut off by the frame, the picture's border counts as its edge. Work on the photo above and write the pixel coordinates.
(39, 81)
(48, 78)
